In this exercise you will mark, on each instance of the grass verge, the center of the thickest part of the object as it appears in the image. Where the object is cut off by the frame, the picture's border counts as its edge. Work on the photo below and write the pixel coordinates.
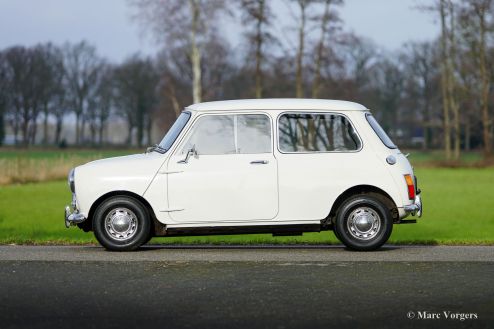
(456, 203)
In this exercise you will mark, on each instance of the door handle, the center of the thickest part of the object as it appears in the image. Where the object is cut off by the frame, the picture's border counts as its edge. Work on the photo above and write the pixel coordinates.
(259, 162)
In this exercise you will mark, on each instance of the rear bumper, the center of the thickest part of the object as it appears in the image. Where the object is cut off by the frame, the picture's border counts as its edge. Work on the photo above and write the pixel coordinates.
(415, 209)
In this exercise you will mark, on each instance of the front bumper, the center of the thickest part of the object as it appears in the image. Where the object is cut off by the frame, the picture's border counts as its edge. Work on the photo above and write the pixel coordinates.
(72, 215)
(415, 209)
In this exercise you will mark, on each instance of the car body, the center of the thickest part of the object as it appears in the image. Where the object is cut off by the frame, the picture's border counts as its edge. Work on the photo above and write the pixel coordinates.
(281, 166)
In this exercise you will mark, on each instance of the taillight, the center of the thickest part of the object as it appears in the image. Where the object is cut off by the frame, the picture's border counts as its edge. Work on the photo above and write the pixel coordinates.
(410, 186)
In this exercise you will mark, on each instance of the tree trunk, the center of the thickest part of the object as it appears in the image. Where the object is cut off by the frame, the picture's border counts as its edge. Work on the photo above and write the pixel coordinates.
(2, 127)
(467, 134)
(259, 42)
(195, 54)
(170, 91)
(83, 128)
(320, 50)
(484, 76)
(58, 130)
(149, 129)
(45, 125)
(77, 135)
(100, 132)
(452, 83)
(129, 136)
(445, 81)
(300, 54)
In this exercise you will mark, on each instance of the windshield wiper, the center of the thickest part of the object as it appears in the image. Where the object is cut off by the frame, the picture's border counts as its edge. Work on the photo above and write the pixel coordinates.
(156, 148)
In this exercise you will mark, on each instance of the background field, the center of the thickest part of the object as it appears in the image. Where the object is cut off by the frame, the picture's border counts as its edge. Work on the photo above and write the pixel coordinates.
(456, 206)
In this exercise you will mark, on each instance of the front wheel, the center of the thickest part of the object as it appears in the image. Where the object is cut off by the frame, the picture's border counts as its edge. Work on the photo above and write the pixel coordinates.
(363, 223)
(121, 224)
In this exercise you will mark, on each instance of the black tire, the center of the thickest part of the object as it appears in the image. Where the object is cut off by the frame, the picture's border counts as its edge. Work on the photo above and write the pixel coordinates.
(136, 220)
(150, 236)
(372, 232)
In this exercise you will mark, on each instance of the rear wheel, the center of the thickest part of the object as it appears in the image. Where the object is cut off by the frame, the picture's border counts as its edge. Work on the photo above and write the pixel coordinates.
(363, 223)
(121, 223)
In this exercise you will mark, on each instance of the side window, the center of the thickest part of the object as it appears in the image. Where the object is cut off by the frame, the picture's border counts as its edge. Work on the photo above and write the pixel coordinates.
(253, 134)
(230, 134)
(213, 134)
(316, 132)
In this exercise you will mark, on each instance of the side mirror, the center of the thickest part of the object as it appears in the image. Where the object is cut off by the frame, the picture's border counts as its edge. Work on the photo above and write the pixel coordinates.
(191, 152)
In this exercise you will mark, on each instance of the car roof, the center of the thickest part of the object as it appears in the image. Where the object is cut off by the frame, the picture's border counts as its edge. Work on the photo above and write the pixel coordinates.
(277, 104)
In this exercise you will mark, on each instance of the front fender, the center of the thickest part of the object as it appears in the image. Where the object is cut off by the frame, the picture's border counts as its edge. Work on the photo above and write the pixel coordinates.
(130, 173)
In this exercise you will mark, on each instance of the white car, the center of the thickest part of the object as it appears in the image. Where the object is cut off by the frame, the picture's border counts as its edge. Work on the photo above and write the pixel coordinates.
(280, 166)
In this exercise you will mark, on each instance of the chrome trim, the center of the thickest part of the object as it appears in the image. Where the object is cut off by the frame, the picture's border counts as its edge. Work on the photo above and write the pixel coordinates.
(364, 223)
(73, 218)
(191, 152)
(70, 180)
(415, 209)
(121, 224)
(277, 142)
(72, 215)
(391, 159)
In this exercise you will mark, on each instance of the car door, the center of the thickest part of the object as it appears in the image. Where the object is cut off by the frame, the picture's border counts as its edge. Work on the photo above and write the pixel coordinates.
(319, 157)
(231, 174)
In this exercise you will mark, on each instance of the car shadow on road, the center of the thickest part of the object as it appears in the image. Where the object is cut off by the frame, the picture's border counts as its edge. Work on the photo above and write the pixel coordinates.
(258, 247)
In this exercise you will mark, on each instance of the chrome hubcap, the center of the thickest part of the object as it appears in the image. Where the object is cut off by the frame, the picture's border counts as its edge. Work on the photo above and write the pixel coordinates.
(121, 224)
(364, 223)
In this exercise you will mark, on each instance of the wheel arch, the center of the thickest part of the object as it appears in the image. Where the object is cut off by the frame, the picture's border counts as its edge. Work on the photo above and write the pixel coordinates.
(377, 192)
(87, 225)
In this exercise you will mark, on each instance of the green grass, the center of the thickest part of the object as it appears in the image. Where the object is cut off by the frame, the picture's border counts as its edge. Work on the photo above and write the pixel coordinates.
(457, 205)
(436, 158)
(55, 153)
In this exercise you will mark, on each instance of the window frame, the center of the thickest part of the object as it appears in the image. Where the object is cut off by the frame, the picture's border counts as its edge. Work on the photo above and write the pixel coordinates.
(316, 112)
(195, 120)
(177, 139)
(383, 139)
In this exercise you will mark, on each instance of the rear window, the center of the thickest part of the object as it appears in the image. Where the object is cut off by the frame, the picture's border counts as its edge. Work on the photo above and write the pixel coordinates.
(380, 131)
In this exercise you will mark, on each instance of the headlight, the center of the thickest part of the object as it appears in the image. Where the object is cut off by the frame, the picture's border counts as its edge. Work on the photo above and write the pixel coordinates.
(70, 179)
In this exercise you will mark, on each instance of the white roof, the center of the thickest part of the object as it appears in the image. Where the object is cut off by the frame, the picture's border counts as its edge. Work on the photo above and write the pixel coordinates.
(277, 104)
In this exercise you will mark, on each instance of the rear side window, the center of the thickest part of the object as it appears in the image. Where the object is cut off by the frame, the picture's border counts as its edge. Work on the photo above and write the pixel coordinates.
(380, 131)
(316, 132)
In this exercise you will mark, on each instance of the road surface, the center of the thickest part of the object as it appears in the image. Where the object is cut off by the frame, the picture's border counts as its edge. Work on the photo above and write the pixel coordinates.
(246, 287)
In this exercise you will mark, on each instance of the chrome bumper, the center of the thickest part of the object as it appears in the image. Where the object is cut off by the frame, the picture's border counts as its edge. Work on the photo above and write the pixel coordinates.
(415, 209)
(73, 217)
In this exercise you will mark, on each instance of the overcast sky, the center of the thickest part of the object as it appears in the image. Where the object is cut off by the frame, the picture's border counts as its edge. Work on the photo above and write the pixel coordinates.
(108, 25)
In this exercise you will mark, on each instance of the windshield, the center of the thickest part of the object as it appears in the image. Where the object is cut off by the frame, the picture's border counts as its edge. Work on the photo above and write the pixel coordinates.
(380, 131)
(174, 131)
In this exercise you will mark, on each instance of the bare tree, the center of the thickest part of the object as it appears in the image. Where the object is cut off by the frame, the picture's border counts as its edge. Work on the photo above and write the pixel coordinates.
(51, 71)
(389, 82)
(257, 13)
(82, 66)
(136, 82)
(324, 27)
(25, 88)
(302, 6)
(4, 96)
(479, 17)
(178, 24)
(100, 104)
(422, 74)
(445, 79)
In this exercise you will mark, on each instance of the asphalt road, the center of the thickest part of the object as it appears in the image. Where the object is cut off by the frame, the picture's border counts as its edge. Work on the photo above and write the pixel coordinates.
(246, 287)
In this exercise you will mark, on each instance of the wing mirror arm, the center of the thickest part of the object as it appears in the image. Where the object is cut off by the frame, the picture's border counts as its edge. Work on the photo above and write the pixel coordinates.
(191, 152)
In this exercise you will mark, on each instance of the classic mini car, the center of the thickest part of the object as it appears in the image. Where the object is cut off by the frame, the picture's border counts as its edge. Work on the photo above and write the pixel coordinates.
(279, 166)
